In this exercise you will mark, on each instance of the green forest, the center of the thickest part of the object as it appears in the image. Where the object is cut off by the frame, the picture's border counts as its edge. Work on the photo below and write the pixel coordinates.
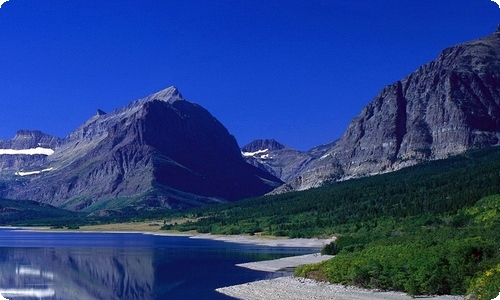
(32, 213)
(429, 229)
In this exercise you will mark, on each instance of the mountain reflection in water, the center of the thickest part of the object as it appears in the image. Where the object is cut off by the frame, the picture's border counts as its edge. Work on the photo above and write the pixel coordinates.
(90, 273)
(40, 265)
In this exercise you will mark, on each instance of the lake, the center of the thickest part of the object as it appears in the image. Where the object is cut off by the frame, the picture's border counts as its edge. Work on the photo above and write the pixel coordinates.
(75, 265)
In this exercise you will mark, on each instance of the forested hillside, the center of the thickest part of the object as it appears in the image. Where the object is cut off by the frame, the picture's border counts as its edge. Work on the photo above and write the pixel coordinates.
(23, 212)
(429, 229)
(424, 192)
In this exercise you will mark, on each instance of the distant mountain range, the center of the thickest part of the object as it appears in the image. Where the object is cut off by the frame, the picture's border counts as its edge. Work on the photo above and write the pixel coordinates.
(164, 151)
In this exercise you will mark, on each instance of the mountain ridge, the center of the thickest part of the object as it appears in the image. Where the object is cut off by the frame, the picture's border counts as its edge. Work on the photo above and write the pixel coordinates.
(151, 153)
(164, 151)
(445, 107)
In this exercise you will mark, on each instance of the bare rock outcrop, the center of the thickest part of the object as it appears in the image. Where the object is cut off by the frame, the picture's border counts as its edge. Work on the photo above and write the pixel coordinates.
(276, 158)
(445, 107)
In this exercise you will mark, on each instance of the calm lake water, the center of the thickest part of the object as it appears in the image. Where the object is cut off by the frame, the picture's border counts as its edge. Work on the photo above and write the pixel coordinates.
(47, 265)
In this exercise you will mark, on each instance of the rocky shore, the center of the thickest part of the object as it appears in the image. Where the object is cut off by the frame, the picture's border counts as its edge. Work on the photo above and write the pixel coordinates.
(291, 288)
(285, 263)
(296, 288)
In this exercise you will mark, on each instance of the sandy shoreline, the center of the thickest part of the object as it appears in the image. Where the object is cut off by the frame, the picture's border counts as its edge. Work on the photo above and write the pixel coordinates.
(239, 239)
(267, 241)
(285, 263)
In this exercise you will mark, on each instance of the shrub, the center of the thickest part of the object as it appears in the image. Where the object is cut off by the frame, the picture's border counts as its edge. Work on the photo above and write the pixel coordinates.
(486, 286)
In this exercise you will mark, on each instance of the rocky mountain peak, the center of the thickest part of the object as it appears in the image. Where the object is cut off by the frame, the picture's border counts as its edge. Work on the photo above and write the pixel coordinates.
(99, 124)
(24, 134)
(100, 112)
(27, 151)
(169, 95)
(479, 56)
(262, 144)
(25, 139)
(445, 107)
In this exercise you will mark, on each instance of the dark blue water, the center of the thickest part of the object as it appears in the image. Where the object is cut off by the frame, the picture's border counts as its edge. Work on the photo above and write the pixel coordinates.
(47, 265)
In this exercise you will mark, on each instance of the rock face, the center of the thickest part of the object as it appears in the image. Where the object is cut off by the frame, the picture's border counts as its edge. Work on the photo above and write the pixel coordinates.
(278, 159)
(160, 151)
(446, 107)
(29, 139)
(34, 144)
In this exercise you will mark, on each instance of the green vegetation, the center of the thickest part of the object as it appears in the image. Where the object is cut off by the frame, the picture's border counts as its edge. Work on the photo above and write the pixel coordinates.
(32, 213)
(455, 254)
(421, 230)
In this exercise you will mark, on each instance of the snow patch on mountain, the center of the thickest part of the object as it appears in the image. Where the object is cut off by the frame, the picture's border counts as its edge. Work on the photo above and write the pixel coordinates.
(32, 151)
(255, 153)
(21, 173)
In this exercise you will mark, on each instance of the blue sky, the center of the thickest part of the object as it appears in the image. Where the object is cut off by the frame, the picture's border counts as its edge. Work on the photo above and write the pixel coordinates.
(297, 71)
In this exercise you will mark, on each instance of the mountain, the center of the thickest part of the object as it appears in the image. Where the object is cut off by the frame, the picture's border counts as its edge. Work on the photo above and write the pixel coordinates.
(27, 151)
(159, 151)
(445, 107)
(164, 151)
(277, 159)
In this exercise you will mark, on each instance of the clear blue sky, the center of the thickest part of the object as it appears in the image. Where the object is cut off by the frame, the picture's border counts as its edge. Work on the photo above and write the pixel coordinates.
(294, 70)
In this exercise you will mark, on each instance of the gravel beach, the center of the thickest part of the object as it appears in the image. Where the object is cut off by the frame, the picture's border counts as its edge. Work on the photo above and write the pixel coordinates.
(297, 288)
(267, 240)
(285, 263)
(291, 288)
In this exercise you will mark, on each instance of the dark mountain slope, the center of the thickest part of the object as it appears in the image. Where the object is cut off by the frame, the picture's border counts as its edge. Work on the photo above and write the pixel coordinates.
(160, 151)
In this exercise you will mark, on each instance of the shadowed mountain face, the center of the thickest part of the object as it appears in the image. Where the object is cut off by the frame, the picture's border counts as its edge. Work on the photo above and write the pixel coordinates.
(160, 151)
(445, 107)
